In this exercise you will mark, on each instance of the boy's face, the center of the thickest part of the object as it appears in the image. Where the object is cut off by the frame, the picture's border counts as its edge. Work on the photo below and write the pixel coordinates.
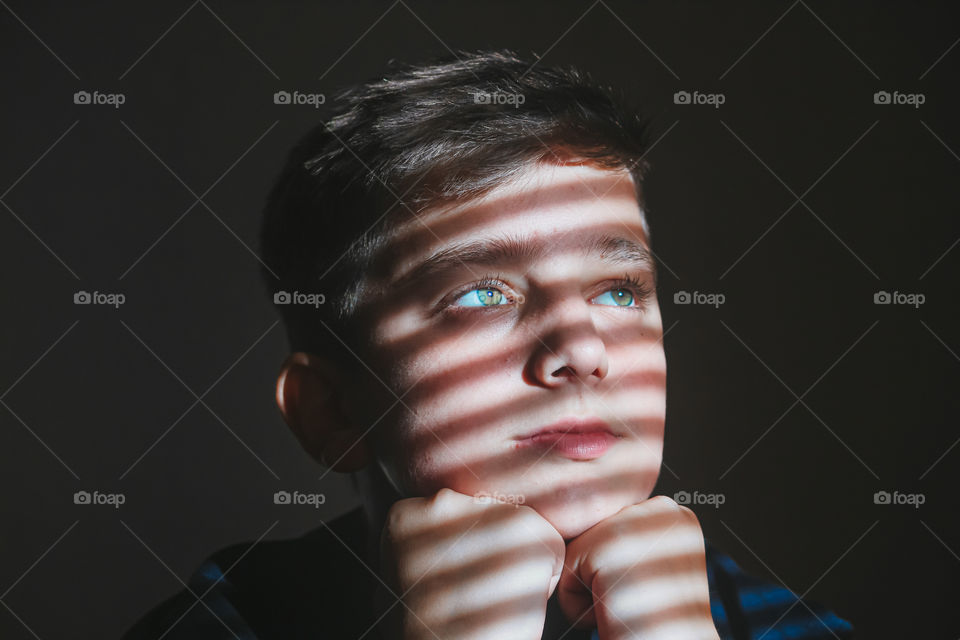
(477, 370)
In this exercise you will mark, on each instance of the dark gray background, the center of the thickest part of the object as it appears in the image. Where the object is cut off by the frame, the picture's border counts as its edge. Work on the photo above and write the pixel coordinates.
(798, 399)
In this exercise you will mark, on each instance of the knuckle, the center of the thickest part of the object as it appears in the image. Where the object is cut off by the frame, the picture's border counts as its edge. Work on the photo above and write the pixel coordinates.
(689, 515)
(394, 522)
(686, 511)
(531, 517)
(399, 514)
(680, 512)
(526, 511)
(540, 526)
(664, 502)
(443, 496)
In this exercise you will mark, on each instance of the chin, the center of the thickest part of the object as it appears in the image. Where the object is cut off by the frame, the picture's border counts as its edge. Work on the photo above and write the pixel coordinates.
(573, 505)
(572, 517)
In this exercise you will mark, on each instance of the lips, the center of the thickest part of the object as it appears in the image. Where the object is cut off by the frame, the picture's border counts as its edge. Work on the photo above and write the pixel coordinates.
(573, 438)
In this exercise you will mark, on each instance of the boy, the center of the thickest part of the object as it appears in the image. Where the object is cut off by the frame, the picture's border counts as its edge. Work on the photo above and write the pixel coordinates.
(489, 365)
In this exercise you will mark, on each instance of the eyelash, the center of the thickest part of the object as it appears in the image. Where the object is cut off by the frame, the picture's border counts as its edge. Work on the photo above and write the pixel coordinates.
(641, 291)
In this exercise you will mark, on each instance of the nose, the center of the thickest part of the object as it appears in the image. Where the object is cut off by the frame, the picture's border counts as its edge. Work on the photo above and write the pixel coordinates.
(567, 348)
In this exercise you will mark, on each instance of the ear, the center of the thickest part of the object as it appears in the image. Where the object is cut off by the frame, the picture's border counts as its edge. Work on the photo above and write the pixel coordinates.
(311, 396)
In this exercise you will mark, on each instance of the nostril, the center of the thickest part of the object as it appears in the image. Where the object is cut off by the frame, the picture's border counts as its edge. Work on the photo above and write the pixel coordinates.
(566, 370)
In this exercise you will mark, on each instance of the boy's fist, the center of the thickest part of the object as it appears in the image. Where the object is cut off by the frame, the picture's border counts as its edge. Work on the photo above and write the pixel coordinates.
(469, 569)
(640, 573)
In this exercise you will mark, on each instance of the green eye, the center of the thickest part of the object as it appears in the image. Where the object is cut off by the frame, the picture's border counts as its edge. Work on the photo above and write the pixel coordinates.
(620, 297)
(481, 297)
(489, 297)
(627, 292)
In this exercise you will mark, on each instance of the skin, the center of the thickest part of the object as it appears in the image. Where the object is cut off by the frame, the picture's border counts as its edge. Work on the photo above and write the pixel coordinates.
(446, 389)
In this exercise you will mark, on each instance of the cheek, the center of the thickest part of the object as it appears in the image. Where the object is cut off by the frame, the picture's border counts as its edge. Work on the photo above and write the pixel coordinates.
(637, 385)
(456, 401)
(461, 424)
(463, 399)
(454, 433)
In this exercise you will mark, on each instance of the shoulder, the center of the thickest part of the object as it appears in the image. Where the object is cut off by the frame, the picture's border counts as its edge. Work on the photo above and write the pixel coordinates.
(746, 607)
(270, 589)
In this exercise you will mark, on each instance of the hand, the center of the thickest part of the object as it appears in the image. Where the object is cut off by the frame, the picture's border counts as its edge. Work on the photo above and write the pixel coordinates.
(641, 573)
(467, 569)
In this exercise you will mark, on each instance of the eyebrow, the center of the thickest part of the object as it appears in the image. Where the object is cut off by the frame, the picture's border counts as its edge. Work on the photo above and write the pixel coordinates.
(622, 251)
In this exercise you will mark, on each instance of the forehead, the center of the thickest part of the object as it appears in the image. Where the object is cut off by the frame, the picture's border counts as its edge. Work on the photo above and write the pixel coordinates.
(557, 209)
